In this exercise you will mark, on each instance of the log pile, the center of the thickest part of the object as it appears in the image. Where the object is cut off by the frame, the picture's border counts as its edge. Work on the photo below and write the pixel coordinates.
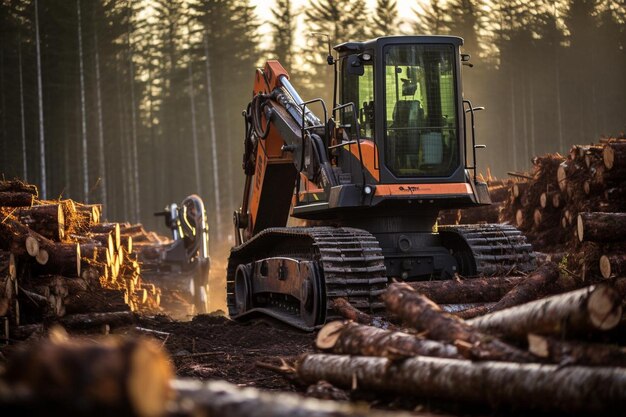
(498, 191)
(60, 263)
(577, 204)
(510, 356)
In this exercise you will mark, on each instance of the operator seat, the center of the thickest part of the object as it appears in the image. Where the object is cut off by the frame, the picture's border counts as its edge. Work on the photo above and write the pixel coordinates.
(407, 118)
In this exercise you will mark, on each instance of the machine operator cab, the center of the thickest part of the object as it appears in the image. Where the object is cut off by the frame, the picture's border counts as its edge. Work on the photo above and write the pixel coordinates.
(408, 114)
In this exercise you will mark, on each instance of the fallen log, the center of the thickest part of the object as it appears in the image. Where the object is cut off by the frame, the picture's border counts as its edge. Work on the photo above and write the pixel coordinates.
(533, 287)
(512, 386)
(18, 199)
(612, 265)
(219, 398)
(591, 309)
(474, 290)
(100, 301)
(601, 227)
(59, 258)
(421, 313)
(18, 186)
(110, 377)
(46, 219)
(91, 320)
(350, 338)
(348, 311)
(575, 352)
(614, 156)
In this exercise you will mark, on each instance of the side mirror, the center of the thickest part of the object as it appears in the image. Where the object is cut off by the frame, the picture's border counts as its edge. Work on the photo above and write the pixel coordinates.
(354, 66)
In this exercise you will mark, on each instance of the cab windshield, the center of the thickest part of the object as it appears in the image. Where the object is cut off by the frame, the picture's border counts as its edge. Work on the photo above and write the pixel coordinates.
(421, 134)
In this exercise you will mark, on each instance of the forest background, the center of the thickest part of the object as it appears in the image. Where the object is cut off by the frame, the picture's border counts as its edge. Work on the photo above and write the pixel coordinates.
(137, 104)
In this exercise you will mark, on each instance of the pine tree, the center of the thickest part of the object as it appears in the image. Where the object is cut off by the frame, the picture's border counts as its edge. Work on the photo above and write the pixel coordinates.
(432, 19)
(385, 19)
(283, 27)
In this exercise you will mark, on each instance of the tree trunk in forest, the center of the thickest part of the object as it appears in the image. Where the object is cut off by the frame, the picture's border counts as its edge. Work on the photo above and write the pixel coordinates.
(213, 139)
(194, 129)
(111, 377)
(22, 114)
(601, 227)
(133, 156)
(42, 144)
(549, 388)
(421, 313)
(83, 110)
(101, 151)
(577, 312)
(574, 352)
(350, 338)
(473, 290)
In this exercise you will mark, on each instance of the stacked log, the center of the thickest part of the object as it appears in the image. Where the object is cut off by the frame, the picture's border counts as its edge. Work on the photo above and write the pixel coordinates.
(577, 204)
(58, 259)
(510, 357)
(499, 191)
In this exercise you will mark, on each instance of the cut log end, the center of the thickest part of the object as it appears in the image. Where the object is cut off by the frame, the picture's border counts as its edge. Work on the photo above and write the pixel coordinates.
(608, 156)
(32, 246)
(605, 310)
(42, 257)
(328, 335)
(580, 228)
(605, 266)
(538, 345)
(519, 218)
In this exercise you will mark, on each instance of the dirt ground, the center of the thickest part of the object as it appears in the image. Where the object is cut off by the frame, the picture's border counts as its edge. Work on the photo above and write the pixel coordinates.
(214, 347)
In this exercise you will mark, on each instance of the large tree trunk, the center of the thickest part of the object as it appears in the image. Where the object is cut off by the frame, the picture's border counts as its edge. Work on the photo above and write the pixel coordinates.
(533, 287)
(355, 339)
(586, 310)
(549, 388)
(601, 227)
(474, 290)
(42, 143)
(112, 377)
(420, 312)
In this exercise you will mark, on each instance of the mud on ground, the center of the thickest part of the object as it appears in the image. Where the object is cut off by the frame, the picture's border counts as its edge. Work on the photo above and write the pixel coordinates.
(215, 347)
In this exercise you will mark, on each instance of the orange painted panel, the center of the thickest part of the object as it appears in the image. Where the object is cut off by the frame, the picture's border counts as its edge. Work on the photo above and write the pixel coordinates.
(423, 189)
(369, 150)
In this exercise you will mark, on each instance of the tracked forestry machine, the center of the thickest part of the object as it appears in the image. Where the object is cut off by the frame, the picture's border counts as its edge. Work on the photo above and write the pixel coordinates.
(366, 180)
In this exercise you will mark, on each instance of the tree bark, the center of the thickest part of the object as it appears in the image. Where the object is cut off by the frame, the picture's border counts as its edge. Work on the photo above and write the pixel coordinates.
(47, 220)
(474, 290)
(16, 199)
(575, 352)
(612, 265)
(350, 338)
(59, 258)
(220, 398)
(577, 312)
(18, 186)
(98, 301)
(601, 227)
(548, 388)
(424, 315)
(533, 287)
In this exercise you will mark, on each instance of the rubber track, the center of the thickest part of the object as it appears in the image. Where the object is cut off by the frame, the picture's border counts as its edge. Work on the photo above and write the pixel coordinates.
(496, 248)
(350, 260)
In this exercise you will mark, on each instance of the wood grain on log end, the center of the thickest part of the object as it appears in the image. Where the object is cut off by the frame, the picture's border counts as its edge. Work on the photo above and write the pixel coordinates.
(328, 335)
